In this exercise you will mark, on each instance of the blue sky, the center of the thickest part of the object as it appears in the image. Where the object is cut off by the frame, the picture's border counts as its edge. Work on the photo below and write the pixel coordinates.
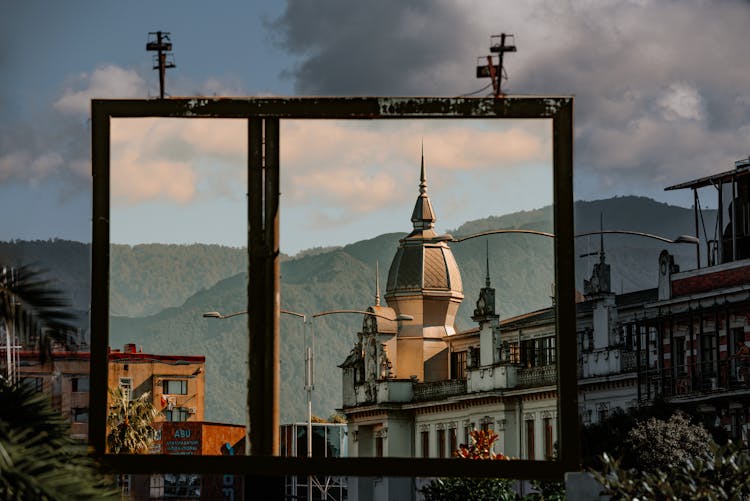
(661, 97)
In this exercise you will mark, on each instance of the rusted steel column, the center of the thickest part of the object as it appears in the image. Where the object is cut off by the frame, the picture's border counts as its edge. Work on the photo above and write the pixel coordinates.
(565, 311)
(263, 287)
(99, 342)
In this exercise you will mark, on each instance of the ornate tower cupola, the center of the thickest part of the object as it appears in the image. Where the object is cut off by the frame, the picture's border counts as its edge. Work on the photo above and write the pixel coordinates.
(425, 283)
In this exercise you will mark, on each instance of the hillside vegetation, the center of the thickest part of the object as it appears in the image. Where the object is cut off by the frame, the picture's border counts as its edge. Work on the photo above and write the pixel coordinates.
(159, 292)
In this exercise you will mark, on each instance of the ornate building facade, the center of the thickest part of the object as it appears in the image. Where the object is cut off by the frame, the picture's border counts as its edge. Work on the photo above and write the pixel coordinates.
(418, 388)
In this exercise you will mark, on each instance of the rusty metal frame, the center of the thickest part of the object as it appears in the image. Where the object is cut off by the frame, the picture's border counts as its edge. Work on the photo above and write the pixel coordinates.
(263, 115)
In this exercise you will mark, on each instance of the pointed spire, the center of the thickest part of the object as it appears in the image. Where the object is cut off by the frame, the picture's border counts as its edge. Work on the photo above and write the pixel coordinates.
(422, 176)
(487, 280)
(377, 283)
(423, 217)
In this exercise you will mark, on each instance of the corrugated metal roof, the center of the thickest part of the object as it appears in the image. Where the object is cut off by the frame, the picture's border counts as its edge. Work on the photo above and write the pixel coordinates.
(712, 179)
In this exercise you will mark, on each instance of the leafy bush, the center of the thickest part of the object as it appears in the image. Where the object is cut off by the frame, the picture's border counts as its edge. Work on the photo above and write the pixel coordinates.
(722, 472)
(658, 444)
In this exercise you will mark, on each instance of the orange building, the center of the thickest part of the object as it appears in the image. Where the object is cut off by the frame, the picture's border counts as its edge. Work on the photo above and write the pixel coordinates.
(192, 438)
(176, 382)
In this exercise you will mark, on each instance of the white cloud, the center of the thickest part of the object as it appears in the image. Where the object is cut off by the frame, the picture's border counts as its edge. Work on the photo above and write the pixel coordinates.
(673, 69)
(161, 158)
(365, 167)
(135, 180)
(105, 82)
(681, 101)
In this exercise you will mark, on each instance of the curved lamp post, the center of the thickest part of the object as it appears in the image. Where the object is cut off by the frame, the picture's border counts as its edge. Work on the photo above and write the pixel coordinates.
(680, 239)
(309, 354)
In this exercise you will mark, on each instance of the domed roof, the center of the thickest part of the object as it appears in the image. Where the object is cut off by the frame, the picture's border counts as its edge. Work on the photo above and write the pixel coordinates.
(430, 266)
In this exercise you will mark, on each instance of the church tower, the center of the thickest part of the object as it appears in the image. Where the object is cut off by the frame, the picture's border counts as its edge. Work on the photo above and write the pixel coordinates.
(423, 281)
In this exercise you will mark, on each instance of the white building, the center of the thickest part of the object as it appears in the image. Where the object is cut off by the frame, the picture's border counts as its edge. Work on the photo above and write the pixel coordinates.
(417, 388)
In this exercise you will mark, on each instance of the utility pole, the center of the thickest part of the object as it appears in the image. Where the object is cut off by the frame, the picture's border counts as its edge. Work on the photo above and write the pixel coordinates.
(159, 42)
(499, 44)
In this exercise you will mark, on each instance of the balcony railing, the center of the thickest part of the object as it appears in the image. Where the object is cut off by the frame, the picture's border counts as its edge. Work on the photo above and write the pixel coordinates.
(629, 361)
(439, 390)
(538, 376)
(684, 381)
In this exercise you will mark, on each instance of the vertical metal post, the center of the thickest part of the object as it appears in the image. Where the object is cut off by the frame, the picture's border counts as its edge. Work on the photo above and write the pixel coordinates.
(309, 377)
(100, 126)
(263, 303)
(162, 64)
(672, 360)
(734, 220)
(717, 339)
(720, 215)
(697, 227)
(692, 366)
(638, 367)
(565, 312)
(701, 362)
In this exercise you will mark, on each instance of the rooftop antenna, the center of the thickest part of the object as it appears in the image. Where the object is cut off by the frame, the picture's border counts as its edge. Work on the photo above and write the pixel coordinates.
(499, 44)
(159, 42)
(377, 282)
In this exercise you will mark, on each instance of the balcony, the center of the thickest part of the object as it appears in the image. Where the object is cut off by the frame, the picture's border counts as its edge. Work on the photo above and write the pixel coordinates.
(545, 375)
(439, 390)
(690, 382)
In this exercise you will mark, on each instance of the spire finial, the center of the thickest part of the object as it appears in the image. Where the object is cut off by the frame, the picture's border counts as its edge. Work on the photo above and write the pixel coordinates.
(422, 176)
(423, 217)
(377, 282)
(487, 280)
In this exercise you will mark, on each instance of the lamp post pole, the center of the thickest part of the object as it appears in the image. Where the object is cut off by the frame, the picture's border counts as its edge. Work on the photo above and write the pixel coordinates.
(307, 323)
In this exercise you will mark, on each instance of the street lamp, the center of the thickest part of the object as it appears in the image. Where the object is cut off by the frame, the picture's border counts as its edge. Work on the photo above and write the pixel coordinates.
(309, 355)
(310, 374)
(680, 239)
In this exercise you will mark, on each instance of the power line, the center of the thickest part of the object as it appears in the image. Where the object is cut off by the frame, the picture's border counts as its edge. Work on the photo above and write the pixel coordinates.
(477, 91)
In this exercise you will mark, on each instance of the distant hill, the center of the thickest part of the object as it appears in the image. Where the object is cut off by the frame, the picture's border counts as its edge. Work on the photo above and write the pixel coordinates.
(159, 292)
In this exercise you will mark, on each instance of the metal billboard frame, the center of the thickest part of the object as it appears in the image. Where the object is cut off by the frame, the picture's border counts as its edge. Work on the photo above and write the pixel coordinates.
(263, 115)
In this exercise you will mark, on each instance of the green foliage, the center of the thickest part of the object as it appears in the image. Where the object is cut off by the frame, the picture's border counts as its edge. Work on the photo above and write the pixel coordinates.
(168, 287)
(145, 279)
(38, 459)
(469, 489)
(722, 472)
(130, 422)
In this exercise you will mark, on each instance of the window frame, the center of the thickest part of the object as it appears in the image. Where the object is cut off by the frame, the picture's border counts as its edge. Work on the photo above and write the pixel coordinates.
(263, 116)
(181, 411)
(167, 382)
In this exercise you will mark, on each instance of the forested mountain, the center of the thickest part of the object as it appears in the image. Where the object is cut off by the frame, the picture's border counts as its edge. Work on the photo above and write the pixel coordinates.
(159, 292)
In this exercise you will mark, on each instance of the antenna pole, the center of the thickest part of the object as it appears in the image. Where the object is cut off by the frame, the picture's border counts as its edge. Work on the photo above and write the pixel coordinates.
(162, 46)
(492, 71)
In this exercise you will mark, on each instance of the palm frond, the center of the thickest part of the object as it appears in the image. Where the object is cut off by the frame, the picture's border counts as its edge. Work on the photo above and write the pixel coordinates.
(38, 459)
(37, 308)
(130, 422)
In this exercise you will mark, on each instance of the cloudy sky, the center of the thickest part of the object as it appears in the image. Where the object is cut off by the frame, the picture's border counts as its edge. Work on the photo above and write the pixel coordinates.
(662, 96)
